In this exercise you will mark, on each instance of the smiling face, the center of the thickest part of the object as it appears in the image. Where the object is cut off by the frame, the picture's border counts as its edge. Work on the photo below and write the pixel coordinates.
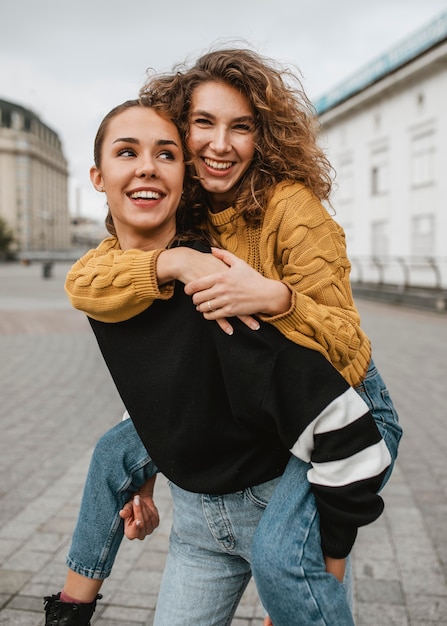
(141, 170)
(222, 138)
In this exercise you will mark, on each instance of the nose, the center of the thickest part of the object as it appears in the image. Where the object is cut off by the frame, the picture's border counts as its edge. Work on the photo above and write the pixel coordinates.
(146, 168)
(220, 140)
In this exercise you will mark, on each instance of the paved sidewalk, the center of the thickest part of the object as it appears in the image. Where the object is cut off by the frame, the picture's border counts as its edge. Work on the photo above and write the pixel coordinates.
(56, 398)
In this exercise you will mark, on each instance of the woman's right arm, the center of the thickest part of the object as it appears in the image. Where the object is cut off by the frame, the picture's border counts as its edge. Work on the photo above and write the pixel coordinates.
(112, 285)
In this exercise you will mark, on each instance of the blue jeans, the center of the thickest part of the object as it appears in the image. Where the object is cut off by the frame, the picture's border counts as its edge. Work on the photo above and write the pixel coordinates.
(208, 564)
(120, 465)
(287, 561)
(210, 553)
(376, 395)
(285, 558)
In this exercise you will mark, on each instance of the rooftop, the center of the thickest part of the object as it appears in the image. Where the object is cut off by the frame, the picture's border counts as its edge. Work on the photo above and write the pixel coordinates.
(407, 50)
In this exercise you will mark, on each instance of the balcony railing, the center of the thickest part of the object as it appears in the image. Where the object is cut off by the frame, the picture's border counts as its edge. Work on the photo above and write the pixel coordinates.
(404, 272)
(414, 281)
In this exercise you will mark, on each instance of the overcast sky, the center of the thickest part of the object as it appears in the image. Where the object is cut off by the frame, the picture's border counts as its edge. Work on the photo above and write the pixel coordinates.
(71, 61)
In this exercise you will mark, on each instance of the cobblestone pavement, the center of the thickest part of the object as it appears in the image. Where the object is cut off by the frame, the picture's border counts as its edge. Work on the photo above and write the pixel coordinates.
(56, 398)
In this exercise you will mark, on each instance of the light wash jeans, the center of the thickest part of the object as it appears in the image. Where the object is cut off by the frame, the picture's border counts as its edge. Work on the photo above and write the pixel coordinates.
(210, 553)
(120, 465)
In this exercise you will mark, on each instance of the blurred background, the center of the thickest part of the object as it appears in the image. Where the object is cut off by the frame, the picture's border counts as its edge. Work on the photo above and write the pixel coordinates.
(375, 72)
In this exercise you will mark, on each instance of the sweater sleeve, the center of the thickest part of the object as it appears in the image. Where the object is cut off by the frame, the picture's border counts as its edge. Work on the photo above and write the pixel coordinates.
(305, 248)
(349, 460)
(111, 285)
(324, 422)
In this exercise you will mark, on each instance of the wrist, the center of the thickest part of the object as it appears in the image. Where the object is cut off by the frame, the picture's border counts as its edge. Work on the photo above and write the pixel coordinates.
(279, 299)
(169, 263)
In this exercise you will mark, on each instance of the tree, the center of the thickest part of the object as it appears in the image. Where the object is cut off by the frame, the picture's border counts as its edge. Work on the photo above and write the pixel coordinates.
(6, 239)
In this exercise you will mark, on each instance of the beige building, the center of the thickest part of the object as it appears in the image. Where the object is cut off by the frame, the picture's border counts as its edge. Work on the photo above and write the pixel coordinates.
(386, 135)
(33, 181)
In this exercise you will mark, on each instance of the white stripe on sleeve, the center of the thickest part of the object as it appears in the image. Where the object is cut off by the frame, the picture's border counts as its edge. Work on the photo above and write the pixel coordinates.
(365, 464)
(341, 412)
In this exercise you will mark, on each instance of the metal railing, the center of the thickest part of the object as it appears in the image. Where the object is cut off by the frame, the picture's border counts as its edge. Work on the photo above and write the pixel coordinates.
(403, 272)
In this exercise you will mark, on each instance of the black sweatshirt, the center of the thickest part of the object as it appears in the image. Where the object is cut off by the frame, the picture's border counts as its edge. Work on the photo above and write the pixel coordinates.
(220, 413)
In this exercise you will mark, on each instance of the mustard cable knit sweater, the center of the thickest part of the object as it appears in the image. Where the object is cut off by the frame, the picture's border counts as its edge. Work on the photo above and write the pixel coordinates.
(298, 243)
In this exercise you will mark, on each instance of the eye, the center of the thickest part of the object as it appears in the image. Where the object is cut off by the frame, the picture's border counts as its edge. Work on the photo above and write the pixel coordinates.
(202, 121)
(243, 127)
(126, 152)
(167, 155)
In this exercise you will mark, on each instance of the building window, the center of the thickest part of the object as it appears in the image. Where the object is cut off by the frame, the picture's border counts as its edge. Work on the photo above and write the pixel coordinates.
(6, 119)
(379, 172)
(423, 235)
(420, 101)
(16, 120)
(423, 159)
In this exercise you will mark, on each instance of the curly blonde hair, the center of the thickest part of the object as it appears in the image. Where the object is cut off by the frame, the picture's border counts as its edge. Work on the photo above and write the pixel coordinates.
(287, 127)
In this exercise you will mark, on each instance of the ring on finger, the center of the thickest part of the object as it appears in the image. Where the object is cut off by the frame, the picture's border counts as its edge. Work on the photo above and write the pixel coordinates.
(210, 307)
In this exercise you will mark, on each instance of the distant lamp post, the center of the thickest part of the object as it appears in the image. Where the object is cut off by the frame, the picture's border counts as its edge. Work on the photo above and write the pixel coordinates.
(47, 264)
(48, 223)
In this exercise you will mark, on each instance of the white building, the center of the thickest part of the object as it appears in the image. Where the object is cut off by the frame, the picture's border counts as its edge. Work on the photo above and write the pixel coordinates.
(386, 134)
(33, 181)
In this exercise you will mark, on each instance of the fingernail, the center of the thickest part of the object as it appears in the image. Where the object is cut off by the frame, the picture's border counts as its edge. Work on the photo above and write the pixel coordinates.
(255, 326)
(137, 500)
(229, 332)
(138, 522)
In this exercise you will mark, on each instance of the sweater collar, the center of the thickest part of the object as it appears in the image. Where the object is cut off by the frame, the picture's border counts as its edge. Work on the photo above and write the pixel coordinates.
(221, 218)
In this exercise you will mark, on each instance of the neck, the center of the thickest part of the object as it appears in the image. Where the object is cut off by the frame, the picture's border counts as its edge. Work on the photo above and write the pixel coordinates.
(145, 241)
(216, 206)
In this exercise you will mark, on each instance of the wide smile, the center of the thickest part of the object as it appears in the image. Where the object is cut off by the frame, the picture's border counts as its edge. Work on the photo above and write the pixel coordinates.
(145, 195)
(221, 166)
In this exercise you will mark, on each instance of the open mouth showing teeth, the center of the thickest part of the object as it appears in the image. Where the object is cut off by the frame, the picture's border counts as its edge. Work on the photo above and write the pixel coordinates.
(145, 195)
(218, 165)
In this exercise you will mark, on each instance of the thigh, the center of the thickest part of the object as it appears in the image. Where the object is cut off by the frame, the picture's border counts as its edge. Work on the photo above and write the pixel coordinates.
(287, 560)
(204, 576)
(288, 534)
(289, 529)
(376, 395)
(200, 587)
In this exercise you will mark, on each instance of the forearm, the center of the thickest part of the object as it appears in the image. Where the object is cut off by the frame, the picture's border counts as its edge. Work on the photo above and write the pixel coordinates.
(111, 285)
(186, 264)
(341, 441)
(346, 479)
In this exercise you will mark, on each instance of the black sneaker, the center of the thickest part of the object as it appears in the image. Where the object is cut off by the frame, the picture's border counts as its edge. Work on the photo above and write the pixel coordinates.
(68, 613)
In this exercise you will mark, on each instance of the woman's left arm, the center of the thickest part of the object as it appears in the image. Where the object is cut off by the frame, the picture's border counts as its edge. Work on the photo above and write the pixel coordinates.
(306, 249)
(305, 287)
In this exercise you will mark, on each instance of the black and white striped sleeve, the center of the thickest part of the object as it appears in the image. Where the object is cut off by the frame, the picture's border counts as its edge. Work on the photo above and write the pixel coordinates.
(325, 422)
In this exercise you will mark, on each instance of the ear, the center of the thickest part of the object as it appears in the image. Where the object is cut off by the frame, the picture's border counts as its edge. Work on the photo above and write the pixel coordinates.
(96, 178)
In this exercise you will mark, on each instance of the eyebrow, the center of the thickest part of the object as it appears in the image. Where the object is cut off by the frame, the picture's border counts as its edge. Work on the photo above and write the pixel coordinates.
(132, 140)
(243, 118)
